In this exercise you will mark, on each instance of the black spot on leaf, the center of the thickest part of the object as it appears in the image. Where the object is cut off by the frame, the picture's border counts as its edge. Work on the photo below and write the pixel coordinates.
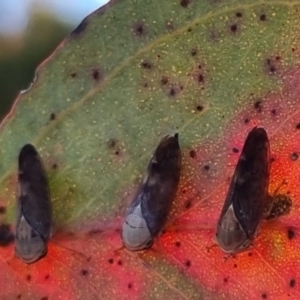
(233, 28)
(271, 65)
(206, 167)
(263, 17)
(188, 263)
(194, 52)
(294, 156)
(146, 65)
(177, 244)
(112, 143)
(52, 116)
(73, 75)
(111, 261)
(290, 233)
(246, 121)
(193, 153)
(164, 80)
(6, 236)
(238, 14)
(96, 74)
(188, 204)
(292, 283)
(172, 92)
(185, 3)
(117, 152)
(199, 107)
(2, 209)
(54, 166)
(84, 272)
(80, 28)
(200, 78)
(139, 29)
(258, 106)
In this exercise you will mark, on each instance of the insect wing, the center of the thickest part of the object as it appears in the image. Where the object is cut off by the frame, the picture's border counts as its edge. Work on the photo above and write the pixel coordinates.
(149, 210)
(34, 211)
(249, 186)
(160, 188)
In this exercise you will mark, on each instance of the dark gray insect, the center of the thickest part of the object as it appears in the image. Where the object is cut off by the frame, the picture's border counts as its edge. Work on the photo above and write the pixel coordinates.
(150, 207)
(34, 212)
(246, 200)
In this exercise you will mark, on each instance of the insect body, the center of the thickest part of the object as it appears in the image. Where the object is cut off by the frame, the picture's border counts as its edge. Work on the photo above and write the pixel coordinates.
(34, 212)
(149, 210)
(245, 203)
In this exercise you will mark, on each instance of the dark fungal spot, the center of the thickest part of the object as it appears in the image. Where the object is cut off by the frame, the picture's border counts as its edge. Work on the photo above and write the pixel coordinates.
(235, 150)
(238, 14)
(139, 29)
(52, 116)
(145, 85)
(47, 277)
(117, 152)
(164, 80)
(129, 285)
(54, 166)
(294, 156)
(188, 204)
(189, 29)
(2, 209)
(246, 121)
(292, 283)
(263, 17)
(290, 233)
(264, 295)
(199, 107)
(111, 261)
(28, 277)
(271, 65)
(200, 78)
(185, 3)
(193, 153)
(84, 272)
(172, 92)
(298, 126)
(258, 106)
(234, 28)
(120, 263)
(188, 263)
(112, 143)
(206, 167)
(146, 65)
(73, 75)
(194, 52)
(96, 74)
(177, 244)
(80, 28)
(6, 236)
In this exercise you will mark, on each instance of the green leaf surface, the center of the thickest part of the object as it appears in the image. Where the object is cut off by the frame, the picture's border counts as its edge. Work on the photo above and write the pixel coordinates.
(131, 73)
